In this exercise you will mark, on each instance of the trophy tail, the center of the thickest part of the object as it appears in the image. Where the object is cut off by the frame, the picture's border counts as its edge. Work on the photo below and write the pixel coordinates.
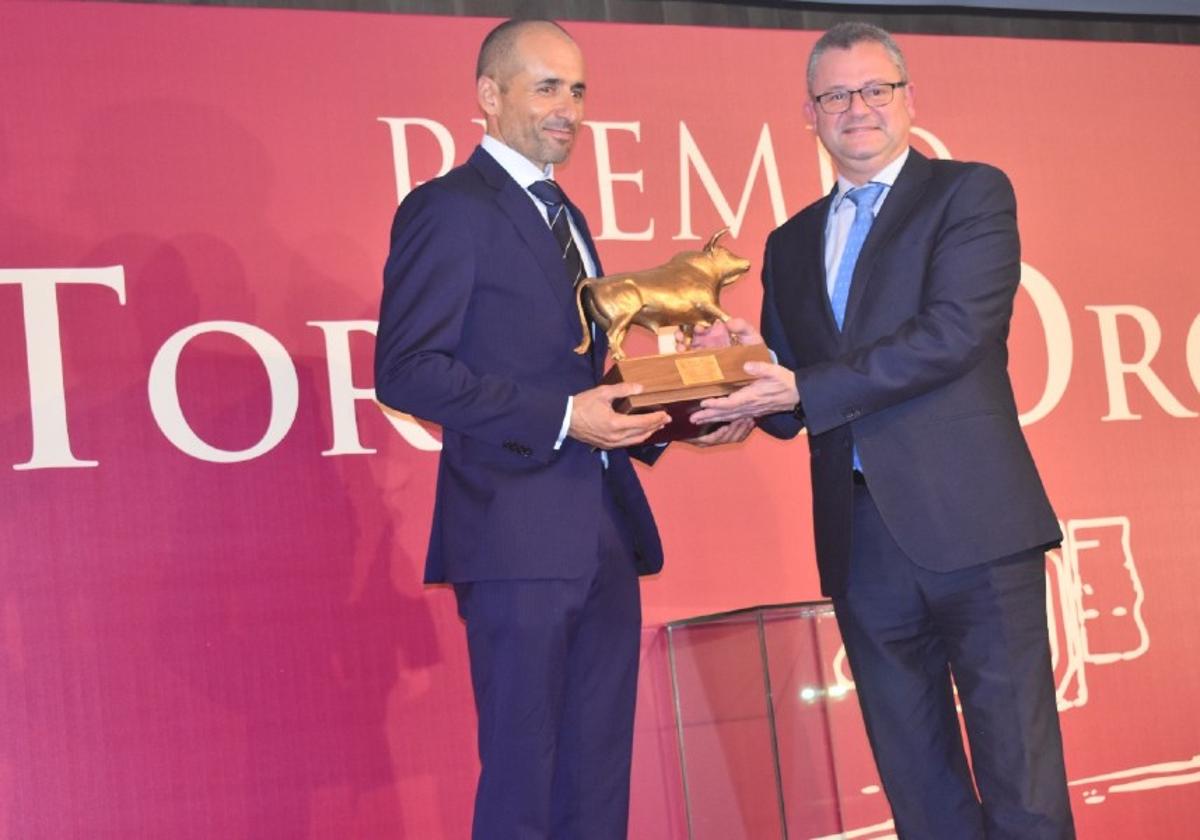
(584, 345)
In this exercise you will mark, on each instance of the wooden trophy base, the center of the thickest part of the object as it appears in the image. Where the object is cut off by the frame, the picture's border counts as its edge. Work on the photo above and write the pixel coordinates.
(677, 382)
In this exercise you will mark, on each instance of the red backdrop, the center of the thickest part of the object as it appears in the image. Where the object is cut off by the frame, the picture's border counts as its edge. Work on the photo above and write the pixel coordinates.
(211, 541)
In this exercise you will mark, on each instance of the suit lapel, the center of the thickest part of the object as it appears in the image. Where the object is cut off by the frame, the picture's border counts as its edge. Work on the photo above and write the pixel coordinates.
(905, 192)
(530, 225)
(581, 223)
(816, 283)
(537, 236)
(599, 348)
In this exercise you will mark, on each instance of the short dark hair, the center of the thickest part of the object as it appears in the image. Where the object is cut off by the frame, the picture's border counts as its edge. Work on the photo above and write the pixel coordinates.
(497, 49)
(845, 35)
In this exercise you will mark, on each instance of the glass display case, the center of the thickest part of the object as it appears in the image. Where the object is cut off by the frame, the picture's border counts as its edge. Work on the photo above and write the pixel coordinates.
(771, 739)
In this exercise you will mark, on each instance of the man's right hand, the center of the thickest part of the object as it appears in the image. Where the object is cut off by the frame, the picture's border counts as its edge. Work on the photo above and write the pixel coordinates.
(594, 422)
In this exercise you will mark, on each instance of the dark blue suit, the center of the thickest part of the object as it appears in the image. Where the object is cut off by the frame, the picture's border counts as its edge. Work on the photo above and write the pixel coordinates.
(477, 330)
(935, 564)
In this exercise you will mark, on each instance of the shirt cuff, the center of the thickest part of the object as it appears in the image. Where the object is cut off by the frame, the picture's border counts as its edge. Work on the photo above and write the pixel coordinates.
(566, 424)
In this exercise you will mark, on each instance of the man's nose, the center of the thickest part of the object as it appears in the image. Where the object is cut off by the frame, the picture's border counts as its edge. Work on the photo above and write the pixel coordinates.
(569, 106)
(858, 103)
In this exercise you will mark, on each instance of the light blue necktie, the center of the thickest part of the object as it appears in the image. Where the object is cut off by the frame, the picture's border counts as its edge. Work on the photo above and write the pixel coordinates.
(864, 199)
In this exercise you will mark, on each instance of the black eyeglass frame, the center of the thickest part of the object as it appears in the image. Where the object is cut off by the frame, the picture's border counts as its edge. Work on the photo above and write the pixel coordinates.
(822, 98)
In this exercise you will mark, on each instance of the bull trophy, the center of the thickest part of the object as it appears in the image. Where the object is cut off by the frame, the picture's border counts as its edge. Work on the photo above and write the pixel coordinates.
(685, 292)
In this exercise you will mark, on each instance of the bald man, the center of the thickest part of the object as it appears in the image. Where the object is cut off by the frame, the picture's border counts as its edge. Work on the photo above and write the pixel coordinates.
(540, 522)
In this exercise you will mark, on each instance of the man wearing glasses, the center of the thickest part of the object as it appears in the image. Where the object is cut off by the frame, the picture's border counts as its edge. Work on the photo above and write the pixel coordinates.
(887, 304)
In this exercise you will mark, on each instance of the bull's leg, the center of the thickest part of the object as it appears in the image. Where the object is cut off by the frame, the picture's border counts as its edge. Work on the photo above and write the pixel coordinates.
(616, 334)
(689, 334)
(713, 311)
(717, 313)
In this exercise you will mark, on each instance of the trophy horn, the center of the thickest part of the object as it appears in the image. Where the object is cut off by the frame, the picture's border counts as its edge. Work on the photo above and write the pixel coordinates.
(712, 242)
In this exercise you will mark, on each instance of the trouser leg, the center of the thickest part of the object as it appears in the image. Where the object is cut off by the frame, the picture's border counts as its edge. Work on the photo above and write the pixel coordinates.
(994, 623)
(554, 671)
(901, 673)
(591, 782)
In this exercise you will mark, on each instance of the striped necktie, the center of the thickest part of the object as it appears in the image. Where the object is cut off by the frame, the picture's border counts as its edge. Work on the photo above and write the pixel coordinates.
(550, 194)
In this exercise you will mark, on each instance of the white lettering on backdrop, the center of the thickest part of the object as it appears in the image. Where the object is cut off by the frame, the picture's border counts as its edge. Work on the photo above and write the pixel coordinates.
(1119, 357)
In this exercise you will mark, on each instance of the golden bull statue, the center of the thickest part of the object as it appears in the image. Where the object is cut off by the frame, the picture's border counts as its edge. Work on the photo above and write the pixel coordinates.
(684, 292)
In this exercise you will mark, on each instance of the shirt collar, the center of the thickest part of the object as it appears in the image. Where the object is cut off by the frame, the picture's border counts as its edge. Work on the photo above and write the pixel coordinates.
(520, 168)
(886, 176)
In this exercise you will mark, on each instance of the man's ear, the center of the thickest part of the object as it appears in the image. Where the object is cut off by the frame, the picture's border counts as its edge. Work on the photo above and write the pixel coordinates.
(487, 92)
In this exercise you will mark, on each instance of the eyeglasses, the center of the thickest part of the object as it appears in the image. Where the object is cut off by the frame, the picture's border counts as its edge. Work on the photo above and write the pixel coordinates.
(873, 96)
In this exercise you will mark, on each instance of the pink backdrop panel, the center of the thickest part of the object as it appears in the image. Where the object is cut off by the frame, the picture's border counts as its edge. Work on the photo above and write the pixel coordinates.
(211, 621)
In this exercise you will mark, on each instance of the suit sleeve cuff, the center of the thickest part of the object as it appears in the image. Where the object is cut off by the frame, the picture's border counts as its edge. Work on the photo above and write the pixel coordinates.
(798, 411)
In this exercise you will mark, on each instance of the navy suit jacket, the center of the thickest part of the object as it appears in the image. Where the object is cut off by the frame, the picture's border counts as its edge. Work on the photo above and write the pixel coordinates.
(477, 330)
(918, 379)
